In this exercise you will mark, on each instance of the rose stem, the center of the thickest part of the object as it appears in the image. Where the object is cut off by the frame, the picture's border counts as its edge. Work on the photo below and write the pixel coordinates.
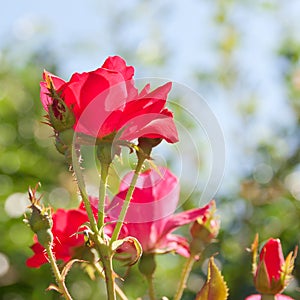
(151, 287)
(119, 291)
(184, 276)
(81, 186)
(102, 194)
(59, 280)
(125, 206)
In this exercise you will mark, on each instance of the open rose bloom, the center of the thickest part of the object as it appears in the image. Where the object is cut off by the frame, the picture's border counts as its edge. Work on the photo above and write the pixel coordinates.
(105, 103)
(150, 217)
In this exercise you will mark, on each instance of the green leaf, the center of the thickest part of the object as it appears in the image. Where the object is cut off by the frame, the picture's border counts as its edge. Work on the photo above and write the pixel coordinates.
(215, 287)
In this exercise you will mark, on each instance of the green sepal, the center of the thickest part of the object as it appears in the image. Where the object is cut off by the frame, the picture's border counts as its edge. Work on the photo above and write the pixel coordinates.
(145, 146)
(60, 115)
(106, 152)
(128, 249)
(262, 282)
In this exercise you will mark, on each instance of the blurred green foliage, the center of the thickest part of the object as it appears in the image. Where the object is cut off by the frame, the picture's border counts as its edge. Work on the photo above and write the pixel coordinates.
(267, 201)
(27, 157)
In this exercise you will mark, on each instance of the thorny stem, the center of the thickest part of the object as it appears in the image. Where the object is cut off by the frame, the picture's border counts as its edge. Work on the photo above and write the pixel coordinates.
(106, 259)
(82, 190)
(102, 194)
(59, 279)
(184, 276)
(126, 203)
(103, 249)
(119, 291)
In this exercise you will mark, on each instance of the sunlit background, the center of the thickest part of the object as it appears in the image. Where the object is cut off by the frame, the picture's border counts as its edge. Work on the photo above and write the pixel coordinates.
(242, 57)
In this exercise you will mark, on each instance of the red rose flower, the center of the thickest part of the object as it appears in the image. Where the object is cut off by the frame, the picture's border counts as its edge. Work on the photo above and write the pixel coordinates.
(105, 102)
(66, 223)
(150, 217)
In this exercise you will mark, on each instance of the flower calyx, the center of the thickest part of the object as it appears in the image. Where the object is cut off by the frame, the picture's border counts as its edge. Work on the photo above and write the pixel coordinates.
(145, 146)
(61, 117)
(204, 230)
(40, 220)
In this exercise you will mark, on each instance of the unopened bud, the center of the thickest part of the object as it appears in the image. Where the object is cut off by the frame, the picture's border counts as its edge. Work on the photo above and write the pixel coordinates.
(204, 230)
(60, 115)
(40, 220)
(272, 272)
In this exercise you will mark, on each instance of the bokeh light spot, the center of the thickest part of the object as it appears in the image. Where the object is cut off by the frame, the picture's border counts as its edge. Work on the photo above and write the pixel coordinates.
(20, 234)
(292, 182)
(10, 163)
(4, 264)
(81, 289)
(6, 184)
(16, 205)
(8, 134)
(12, 296)
(263, 173)
(59, 197)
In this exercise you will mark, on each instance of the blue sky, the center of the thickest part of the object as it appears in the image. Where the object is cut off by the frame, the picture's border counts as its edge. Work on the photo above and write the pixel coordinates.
(185, 37)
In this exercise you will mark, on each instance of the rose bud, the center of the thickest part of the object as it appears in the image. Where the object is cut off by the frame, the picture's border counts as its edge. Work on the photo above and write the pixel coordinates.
(272, 273)
(40, 220)
(60, 115)
(204, 230)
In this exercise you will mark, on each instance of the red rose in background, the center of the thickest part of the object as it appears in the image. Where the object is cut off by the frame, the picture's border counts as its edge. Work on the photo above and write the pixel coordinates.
(105, 102)
(66, 223)
(271, 259)
(150, 217)
(272, 272)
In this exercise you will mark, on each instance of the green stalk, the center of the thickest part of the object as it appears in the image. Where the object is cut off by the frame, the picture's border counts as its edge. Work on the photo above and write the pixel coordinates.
(119, 291)
(106, 256)
(59, 279)
(102, 194)
(151, 287)
(126, 203)
(184, 277)
(82, 190)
